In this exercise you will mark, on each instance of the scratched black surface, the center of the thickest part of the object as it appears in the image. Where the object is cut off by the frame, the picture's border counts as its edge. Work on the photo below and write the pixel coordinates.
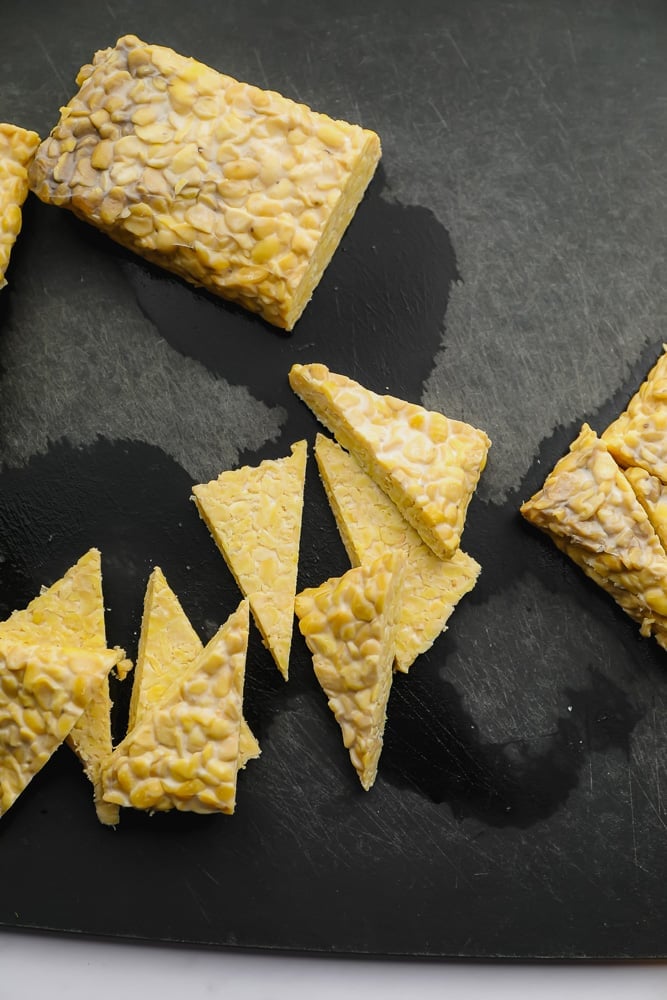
(518, 809)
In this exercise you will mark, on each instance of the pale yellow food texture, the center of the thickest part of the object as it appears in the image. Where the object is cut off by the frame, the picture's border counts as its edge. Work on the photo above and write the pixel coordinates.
(43, 691)
(349, 624)
(639, 435)
(71, 613)
(184, 753)
(370, 525)
(590, 510)
(168, 646)
(652, 495)
(234, 188)
(254, 514)
(426, 463)
(17, 148)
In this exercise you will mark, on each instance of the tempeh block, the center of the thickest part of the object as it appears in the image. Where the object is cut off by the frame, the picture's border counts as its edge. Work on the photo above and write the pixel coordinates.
(233, 188)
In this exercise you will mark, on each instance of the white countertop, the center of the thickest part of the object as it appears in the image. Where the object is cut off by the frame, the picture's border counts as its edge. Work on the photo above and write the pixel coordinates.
(93, 970)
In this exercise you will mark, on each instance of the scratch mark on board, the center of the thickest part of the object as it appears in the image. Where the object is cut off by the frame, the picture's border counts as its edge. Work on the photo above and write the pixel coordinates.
(457, 49)
(52, 64)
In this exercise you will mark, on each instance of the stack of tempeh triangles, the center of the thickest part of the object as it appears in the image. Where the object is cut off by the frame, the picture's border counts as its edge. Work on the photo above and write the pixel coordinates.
(604, 504)
(187, 737)
(400, 498)
(54, 668)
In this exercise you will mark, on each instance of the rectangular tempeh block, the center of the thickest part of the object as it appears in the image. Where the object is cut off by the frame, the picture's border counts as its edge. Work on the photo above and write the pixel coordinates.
(234, 188)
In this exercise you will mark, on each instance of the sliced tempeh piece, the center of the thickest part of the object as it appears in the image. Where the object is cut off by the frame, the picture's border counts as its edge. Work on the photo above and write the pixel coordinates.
(591, 512)
(349, 624)
(17, 148)
(370, 525)
(426, 463)
(71, 613)
(168, 646)
(254, 515)
(184, 753)
(652, 495)
(234, 188)
(639, 435)
(43, 691)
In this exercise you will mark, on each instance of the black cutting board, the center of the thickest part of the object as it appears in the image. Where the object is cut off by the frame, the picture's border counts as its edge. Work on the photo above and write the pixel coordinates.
(508, 267)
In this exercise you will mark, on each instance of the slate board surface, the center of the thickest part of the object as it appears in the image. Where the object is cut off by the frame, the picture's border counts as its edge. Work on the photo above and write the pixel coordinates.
(508, 267)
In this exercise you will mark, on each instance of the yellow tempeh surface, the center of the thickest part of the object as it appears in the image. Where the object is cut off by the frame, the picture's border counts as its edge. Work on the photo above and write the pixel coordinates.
(168, 646)
(428, 464)
(43, 691)
(254, 515)
(370, 525)
(17, 148)
(71, 613)
(652, 495)
(184, 752)
(590, 510)
(638, 437)
(349, 624)
(234, 188)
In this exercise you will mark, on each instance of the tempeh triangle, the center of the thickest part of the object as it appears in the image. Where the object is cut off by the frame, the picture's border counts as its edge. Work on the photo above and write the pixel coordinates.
(184, 752)
(370, 524)
(349, 624)
(254, 515)
(652, 495)
(71, 613)
(639, 435)
(17, 149)
(168, 647)
(426, 463)
(43, 691)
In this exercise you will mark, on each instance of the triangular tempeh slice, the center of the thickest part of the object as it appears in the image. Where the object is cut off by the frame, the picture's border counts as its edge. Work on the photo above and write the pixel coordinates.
(17, 148)
(71, 613)
(370, 525)
(43, 691)
(254, 515)
(426, 463)
(349, 624)
(168, 647)
(184, 753)
(639, 435)
(591, 512)
(652, 495)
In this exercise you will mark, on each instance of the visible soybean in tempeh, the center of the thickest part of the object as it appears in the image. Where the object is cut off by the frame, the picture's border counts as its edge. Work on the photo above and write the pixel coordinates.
(237, 189)
(17, 147)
